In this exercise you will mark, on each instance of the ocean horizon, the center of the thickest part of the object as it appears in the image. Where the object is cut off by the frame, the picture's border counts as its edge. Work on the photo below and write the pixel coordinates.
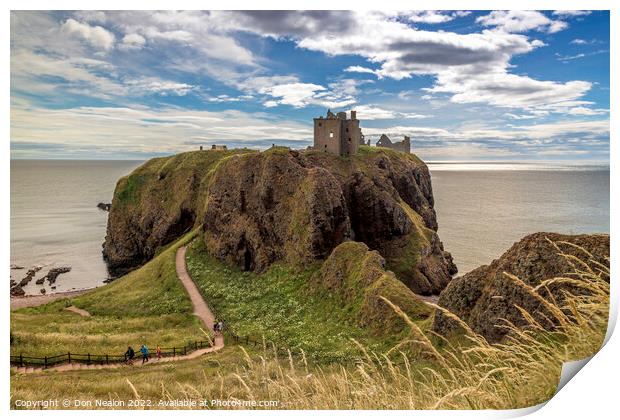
(482, 209)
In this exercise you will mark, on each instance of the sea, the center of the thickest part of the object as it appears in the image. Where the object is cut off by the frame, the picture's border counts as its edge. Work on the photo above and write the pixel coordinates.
(482, 209)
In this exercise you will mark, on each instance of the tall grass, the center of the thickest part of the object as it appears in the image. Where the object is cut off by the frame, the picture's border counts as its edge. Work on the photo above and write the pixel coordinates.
(521, 371)
(423, 371)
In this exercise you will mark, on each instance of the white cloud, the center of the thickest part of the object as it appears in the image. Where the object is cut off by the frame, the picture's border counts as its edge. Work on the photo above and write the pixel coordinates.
(520, 116)
(571, 13)
(521, 21)
(507, 90)
(91, 16)
(359, 69)
(575, 131)
(430, 16)
(132, 42)
(289, 90)
(228, 98)
(579, 41)
(370, 112)
(96, 36)
(155, 85)
(477, 60)
(580, 110)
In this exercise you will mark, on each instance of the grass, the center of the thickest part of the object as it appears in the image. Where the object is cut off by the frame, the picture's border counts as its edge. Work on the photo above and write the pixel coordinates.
(280, 305)
(148, 305)
(520, 372)
(172, 179)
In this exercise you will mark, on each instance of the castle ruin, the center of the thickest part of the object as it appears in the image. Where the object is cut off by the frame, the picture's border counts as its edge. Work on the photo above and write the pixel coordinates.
(400, 146)
(338, 135)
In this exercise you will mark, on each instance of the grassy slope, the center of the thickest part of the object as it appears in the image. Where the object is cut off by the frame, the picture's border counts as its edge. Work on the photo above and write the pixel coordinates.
(147, 305)
(167, 179)
(521, 373)
(281, 306)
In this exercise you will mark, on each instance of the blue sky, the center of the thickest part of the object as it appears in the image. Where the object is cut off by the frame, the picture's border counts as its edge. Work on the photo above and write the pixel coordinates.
(483, 85)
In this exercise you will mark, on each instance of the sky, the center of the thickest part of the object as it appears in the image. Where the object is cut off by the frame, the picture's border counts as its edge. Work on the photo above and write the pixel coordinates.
(464, 85)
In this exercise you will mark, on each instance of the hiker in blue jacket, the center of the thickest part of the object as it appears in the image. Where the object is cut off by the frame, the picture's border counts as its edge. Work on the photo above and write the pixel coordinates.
(145, 353)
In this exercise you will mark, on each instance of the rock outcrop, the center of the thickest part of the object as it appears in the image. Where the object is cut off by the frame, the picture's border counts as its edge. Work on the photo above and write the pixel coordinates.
(357, 277)
(104, 206)
(17, 289)
(484, 297)
(282, 205)
(154, 205)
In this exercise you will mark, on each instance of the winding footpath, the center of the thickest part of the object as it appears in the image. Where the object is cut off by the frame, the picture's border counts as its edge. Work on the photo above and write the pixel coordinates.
(201, 310)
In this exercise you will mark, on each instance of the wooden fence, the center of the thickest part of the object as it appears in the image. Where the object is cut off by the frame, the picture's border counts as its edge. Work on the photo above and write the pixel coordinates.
(101, 359)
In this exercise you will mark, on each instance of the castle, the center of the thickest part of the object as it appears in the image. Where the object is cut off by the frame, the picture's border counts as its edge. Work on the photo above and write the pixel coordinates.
(338, 135)
(400, 146)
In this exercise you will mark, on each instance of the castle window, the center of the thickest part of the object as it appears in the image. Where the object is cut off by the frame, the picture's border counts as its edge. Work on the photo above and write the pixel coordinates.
(347, 129)
(331, 134)
(320, 124)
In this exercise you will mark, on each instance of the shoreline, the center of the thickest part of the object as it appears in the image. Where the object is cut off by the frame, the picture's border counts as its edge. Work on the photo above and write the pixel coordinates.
(37, 300)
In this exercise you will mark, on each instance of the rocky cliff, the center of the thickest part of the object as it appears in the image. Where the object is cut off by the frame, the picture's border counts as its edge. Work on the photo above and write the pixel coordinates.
(283, 205)
(485, 297)
(296, 207)
(155, 204)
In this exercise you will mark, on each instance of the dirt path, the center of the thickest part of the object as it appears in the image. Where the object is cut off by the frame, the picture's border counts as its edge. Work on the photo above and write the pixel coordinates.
(75, 309)
(432, 298)
(37, 300)
(201, 310)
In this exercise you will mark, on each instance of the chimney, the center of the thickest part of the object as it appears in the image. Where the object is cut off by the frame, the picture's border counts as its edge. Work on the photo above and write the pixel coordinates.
(353, 115)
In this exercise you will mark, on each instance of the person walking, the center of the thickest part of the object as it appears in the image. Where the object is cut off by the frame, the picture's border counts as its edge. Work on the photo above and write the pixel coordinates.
(158, 350)
(129, 355)
(145, 353)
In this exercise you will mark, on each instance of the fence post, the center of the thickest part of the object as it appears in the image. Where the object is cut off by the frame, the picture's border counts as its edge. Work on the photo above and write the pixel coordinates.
(69, 357)
(247, 339)
(196, 345)
(107, 361)
(21, 360)
(45, 365)
(174, 352)
(88, 358)
(184, 350)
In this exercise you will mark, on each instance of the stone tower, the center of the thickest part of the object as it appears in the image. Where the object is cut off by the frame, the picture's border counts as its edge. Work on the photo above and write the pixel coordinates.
(336, 134)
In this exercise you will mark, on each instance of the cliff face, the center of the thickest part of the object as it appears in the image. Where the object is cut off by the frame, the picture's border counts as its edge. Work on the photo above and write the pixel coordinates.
(156, 204)
(484, 297)
(282, 205)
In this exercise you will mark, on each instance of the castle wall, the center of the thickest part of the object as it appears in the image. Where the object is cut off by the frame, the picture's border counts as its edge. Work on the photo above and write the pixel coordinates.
(336, 134)
(351, 138)
(400, 146)
(328, 135)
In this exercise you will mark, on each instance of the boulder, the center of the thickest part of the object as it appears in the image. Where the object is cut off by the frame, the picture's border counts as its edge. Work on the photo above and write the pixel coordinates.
(104, 206)
(485, 296)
